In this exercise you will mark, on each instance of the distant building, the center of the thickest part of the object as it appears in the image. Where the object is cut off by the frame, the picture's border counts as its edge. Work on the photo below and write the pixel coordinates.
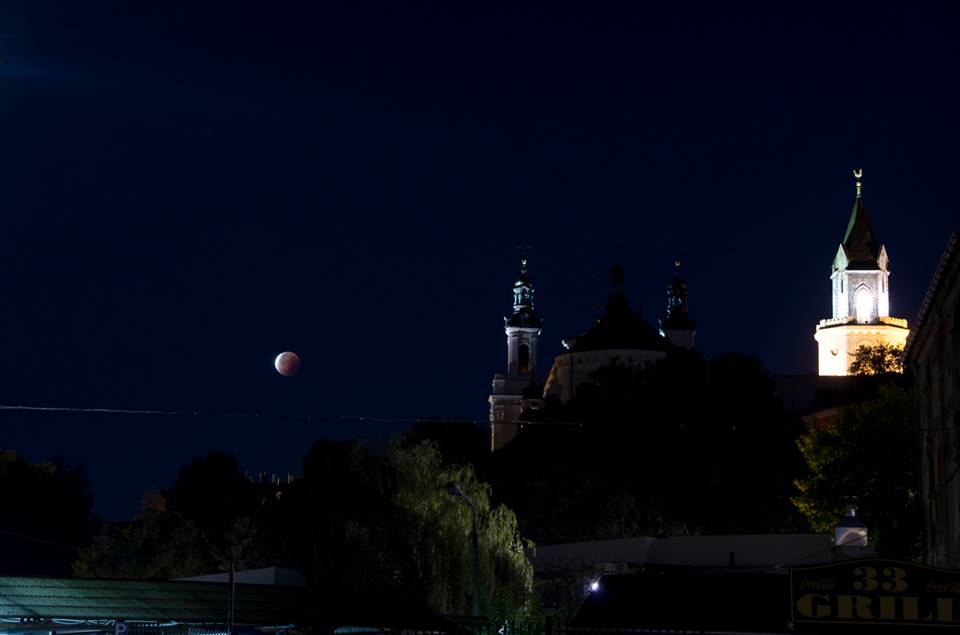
(520, 382)
(621, 336)
(933, 354)
(861, 296)
(678, 327)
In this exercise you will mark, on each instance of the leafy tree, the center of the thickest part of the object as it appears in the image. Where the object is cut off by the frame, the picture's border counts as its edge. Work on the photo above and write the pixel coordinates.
(681, 447)
(437, 529)
(213, 493)
(868, 458)
(205, 521)
(156, 545)
(879, 359)
(46, 517)
(366, 522)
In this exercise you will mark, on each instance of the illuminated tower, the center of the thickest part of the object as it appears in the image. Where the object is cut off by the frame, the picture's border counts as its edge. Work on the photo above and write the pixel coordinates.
(861, 296)
(677, 326)
(511, 389)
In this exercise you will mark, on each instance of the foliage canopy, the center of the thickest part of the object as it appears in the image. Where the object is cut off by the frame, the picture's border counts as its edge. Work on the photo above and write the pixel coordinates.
(869, 459)
(880, 359)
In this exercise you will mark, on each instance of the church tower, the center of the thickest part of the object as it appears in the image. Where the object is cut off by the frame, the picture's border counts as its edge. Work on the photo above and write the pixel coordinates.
(861, 296)
(677, 326)
(518, 387)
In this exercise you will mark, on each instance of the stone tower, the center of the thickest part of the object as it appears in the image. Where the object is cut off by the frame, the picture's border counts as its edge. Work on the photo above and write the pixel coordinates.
(678, 327)
(515, 388)
(861, 296)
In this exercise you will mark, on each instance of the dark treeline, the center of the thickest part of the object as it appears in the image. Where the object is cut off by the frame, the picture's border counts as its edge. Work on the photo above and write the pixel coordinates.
(686, 446)
(354, 521)
(45, 515)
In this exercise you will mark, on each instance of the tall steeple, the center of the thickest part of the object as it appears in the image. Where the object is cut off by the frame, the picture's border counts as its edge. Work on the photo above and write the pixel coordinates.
(515, 388)
(861, 295)
(860, 243)
(678, 327)
(523, 313)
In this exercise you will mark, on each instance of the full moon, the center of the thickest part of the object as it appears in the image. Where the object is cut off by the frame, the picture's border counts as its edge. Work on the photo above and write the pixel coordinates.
(287, 363)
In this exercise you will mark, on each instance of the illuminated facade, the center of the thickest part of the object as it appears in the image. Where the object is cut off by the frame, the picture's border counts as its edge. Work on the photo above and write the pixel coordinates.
(517, 389)
(861, 297)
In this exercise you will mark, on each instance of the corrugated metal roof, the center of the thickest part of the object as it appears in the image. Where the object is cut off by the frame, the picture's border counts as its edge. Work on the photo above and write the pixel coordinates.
(95, 599)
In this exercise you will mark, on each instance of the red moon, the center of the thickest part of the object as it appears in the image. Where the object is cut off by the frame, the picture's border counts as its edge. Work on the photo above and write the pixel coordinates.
(287, 363)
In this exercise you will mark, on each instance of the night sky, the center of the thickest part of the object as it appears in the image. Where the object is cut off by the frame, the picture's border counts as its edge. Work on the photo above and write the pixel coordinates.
(189, 190)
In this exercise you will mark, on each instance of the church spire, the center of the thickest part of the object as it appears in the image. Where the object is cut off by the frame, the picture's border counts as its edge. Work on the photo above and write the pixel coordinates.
(677, 294)
(860, 295)
(860, 242)
(517, 388)
(677, 326)
(523, 313)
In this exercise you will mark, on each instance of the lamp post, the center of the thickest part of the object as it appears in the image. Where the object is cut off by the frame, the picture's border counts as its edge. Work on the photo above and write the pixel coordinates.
(454, 490)
(850, 530)
(850, 536)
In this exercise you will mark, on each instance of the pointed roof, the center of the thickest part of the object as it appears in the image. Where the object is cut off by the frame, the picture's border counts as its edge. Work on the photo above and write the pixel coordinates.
(860, 243)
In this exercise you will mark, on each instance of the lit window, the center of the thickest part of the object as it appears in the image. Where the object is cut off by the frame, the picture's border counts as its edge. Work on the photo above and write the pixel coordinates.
(864, 305)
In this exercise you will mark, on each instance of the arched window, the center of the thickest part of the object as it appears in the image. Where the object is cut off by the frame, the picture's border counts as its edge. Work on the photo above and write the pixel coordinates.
(523, 360)
(863, 302)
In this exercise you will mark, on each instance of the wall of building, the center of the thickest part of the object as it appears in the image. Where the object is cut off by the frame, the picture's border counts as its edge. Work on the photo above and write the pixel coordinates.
(572, 369)
(839, 339)
(934, 356)
(760, 550)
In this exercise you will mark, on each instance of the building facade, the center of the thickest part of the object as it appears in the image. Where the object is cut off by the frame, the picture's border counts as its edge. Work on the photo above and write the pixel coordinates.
(933, 354)
(620, 336)
(519, 386)
(677, 326)
(861, 296)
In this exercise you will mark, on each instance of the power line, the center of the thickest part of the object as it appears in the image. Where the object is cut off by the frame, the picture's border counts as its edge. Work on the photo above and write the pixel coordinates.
(50, 543)
(208, 413)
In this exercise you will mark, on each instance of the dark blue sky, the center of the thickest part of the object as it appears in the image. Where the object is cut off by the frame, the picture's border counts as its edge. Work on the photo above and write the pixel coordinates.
(190, 190)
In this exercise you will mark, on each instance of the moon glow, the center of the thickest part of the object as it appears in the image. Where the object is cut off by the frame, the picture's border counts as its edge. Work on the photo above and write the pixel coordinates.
(287, 363)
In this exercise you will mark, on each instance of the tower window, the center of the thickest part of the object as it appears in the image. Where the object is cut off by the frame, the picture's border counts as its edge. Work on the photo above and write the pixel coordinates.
(863, 301)
(523, 359)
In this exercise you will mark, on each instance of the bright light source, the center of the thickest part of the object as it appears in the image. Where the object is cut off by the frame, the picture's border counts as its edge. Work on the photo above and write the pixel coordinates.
(864, 305)
(595, 586)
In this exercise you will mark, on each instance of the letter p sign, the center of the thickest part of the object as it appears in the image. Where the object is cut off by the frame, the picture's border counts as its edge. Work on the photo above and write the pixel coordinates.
(119, 628)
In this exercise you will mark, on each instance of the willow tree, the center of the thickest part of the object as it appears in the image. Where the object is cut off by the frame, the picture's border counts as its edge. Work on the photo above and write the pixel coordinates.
(436, 528)
(366, 522)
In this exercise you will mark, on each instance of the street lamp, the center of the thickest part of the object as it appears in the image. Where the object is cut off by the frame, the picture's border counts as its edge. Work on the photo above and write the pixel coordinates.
(454, 490)
(850, 531)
